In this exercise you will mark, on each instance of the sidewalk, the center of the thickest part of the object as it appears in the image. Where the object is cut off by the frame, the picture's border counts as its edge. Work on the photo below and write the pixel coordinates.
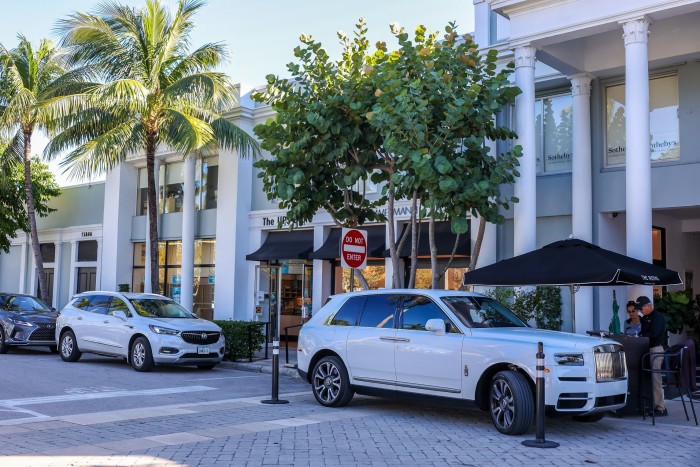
(262, 365)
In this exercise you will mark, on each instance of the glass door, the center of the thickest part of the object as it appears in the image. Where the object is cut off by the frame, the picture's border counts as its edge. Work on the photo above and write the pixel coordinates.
(267, 294)
(307, 291)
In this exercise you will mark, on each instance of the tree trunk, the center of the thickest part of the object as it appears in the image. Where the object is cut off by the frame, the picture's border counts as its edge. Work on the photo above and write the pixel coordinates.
(477, 244)
(29, 193)
(433, 253)
(396, 280)
(414, 241)
(152, 212)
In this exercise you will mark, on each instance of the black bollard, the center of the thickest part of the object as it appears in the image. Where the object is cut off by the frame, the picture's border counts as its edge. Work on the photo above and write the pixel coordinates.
(275, 375)
(540, 442)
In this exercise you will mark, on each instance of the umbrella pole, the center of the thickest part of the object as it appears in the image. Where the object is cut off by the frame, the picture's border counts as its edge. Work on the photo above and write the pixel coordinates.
(573, 308)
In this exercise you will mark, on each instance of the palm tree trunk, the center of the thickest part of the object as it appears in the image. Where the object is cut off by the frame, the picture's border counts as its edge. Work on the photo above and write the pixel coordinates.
(152, 212)
(29, 193)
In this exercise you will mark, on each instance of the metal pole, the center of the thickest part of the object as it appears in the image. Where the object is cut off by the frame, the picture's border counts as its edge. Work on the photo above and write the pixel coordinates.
(572, 288)
(539, 408)
(276, 348)
(352, 279)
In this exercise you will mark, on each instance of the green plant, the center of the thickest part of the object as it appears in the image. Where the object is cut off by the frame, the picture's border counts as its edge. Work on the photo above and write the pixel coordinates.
(123, 287)
(677, 308)
(542, 304)
(237, 337)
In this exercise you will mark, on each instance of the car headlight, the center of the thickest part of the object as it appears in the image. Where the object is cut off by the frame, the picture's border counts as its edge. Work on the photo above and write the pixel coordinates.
(161, 330)
(571, 359)
(21, 322)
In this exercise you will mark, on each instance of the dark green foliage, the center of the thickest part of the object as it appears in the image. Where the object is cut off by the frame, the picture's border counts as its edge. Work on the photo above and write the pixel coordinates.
(236, 334)
(677, 308)
(12, 198)
(541, 304)
(123, 287)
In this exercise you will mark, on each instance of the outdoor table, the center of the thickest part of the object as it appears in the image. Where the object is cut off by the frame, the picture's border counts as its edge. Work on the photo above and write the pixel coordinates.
(635, 348)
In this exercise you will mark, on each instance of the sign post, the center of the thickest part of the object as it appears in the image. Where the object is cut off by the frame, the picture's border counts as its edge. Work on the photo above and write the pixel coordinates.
(353, 251)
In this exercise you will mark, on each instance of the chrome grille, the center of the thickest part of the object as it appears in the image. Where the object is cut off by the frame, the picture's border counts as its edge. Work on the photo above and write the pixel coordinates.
(45, 332)
(200, 337)
(610, 363)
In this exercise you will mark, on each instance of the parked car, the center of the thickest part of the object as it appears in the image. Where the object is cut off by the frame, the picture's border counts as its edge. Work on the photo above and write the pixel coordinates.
(145, 329)
(26, 320)
(457, 346)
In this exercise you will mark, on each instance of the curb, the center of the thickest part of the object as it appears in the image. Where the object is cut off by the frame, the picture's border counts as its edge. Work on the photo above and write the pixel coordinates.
(260, 368)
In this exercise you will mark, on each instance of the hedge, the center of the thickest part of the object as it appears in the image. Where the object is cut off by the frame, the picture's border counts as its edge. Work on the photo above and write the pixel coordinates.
(236, 334)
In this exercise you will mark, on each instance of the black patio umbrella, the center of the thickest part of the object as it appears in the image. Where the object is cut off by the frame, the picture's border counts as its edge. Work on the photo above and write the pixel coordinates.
(572, 262)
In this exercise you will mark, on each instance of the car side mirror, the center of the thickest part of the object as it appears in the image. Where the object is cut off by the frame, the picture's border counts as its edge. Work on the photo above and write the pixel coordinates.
(119, 314)
(436, 325)
(53, 309)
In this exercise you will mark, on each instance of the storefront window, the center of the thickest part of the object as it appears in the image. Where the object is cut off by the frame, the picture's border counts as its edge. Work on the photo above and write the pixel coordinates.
(553, 134)
(174, 186)
(142, 195)
(663, 121)
(206, 183)
(374, 274)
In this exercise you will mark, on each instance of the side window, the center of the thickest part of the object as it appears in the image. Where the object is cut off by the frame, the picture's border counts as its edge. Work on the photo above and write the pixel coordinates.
(349, 312)
(118, 304)
(82, 303)
(379, 311)
(417, 310)
(99, 304)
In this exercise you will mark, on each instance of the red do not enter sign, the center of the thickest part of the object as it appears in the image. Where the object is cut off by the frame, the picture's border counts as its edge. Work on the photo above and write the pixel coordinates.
(353, 249)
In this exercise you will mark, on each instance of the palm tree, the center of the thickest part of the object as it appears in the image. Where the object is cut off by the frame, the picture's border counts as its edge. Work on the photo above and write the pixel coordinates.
(27, 77)
(148, 90)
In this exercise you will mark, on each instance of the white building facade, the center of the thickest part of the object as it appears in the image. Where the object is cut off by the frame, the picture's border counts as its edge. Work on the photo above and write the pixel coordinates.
(606, 119)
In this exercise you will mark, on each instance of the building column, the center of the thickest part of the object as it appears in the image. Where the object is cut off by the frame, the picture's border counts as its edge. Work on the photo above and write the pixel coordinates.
(98, 269)
(147, 286)
(322, 271)
(187, 265)
(525, 210)
(638, 152)
(73, 272)
(582, 187)
(23, 267)
(57, 274)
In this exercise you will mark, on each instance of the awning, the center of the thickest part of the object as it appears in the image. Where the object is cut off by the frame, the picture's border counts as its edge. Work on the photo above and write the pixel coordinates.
(444, 241)
(297, 244)
(331, 247)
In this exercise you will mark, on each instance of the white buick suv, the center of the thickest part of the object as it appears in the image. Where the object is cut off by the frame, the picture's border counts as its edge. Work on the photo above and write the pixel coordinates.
(458, 346)
(145, 329)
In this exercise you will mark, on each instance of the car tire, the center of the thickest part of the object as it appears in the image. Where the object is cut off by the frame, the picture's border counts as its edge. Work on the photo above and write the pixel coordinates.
(592, 418)
(511, 403)
(3, 346)
(141, 356)
(206, 366)
(53, 349)
(330, 382)
(69, 347)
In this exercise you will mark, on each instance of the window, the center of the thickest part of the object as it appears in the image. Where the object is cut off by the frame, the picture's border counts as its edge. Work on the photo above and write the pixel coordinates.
(206, 183)
(99, 304)
(553, 134)
(118, 305)
(417, 310)
(48, 252)
(663, 121)
(379, 311)
(349, 312)
(82, 303)
(87, 250)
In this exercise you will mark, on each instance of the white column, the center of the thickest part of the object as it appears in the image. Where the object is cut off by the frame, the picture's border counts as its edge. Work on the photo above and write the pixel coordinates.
(57, 274)
(98, 269)
(147, 286)
(73, 272)
(322, 271)
(482, 23)
(187, 266)
(638, 152)
(23, 267)
(582, 187)
(525, 211)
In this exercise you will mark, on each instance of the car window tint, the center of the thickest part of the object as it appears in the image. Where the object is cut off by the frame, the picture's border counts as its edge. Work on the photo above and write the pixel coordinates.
(120, 305)
(379, 311)
(82, 303)
(349, 312)
(416, 310)
(99, 304)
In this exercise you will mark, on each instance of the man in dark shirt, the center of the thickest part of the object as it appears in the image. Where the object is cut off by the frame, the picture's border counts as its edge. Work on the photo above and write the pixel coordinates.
(654, 327)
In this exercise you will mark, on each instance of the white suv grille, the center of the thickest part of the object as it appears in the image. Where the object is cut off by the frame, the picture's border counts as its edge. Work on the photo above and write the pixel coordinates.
(610, 363)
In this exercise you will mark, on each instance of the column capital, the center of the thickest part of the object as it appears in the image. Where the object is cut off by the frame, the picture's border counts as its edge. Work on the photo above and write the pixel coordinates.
(581, 84)
(525, 56)
(636, 31)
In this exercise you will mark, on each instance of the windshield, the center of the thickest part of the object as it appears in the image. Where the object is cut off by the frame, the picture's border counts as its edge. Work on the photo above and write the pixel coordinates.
(482, 312)
(159, 308)
(23, 303)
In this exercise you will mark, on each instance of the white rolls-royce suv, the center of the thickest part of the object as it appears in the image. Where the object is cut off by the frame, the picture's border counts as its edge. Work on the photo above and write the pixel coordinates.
(455, 345)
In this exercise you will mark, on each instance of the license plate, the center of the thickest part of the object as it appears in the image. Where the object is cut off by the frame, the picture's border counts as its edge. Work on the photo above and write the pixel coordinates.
(203, 350)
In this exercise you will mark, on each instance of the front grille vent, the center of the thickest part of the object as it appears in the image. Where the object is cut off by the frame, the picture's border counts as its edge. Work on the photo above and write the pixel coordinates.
(43, 333)
(610, 363)
(200, 337)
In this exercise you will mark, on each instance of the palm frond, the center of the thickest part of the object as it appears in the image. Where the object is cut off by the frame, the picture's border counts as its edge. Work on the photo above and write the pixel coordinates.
(210, 89)
(185, 133)
(230, 136)
(12, 149)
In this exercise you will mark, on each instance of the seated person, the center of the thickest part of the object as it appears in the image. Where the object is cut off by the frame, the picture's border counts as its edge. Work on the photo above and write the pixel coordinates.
(633, 325)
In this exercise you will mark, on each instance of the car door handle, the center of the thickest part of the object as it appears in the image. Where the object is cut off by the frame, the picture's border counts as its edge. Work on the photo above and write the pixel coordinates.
(106, 321)
(129, 326)
(395, 339)
(80, 318)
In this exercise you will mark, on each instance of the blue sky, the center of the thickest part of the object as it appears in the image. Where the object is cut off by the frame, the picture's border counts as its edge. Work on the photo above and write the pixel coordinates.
(260, 34)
